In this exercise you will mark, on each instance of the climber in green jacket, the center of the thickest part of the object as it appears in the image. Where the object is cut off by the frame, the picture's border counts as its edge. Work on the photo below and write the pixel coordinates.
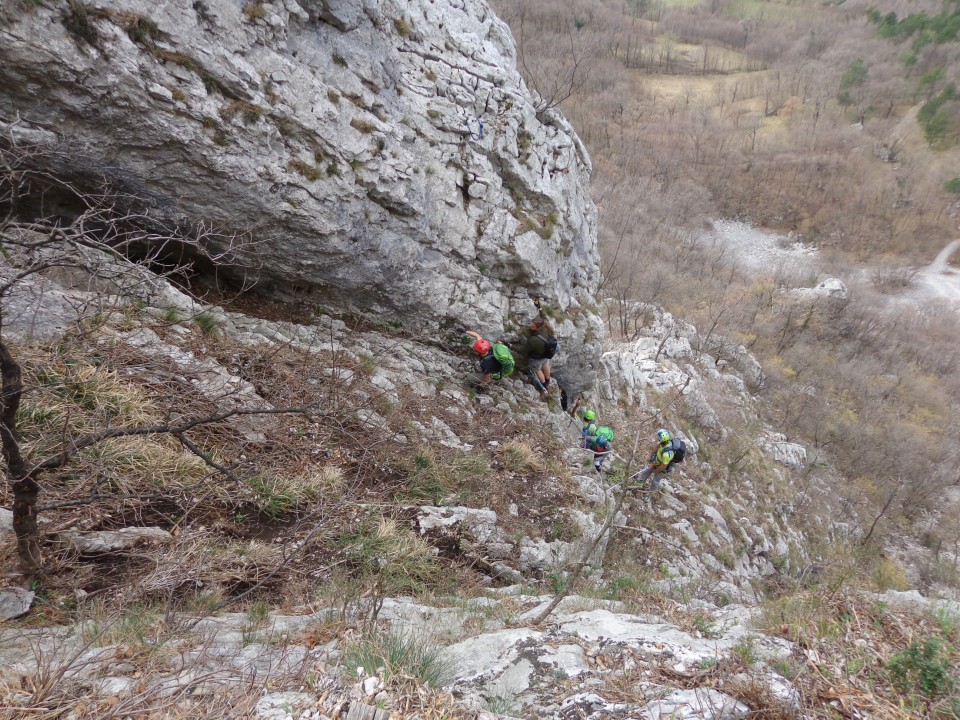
(496, 361)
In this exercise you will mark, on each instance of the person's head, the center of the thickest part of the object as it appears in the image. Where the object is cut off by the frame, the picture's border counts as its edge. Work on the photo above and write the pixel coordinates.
(482, 346)
(602, 441)
(589, 415)
(538, 324)
(663, 437)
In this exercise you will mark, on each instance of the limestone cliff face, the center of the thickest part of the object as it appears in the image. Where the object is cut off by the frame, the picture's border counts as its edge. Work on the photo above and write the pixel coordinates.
(384, 155)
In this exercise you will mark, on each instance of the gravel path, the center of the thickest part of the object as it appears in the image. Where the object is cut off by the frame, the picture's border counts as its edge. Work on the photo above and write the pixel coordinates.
(939, 279)
(778, 255)
(764, 251)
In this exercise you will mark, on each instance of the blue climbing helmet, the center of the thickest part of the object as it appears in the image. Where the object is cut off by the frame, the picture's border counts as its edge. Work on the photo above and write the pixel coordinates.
(663, 436)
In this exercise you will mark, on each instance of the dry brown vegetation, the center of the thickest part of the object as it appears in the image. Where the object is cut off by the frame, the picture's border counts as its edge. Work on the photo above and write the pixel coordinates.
(691, 112)
(734, 109)
(312, 479)
(731, 108)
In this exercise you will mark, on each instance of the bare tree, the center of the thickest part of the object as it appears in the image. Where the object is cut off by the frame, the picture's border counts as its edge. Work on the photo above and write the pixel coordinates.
(112, 247)
(562, 77)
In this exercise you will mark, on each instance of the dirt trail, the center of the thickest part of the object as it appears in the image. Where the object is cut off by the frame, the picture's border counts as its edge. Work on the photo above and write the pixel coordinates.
(938, 279)
(796, 263)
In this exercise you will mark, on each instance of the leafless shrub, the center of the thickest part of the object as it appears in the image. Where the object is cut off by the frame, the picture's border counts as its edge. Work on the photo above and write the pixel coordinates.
(108, 244)
(892, 279)
(563, 77)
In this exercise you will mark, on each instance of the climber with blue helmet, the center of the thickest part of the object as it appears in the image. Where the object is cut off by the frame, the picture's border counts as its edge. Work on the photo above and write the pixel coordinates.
(660, 462)
(602, 445)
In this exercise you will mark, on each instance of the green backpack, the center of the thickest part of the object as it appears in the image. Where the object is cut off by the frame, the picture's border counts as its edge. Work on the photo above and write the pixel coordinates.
(605, 432)
(503, 355)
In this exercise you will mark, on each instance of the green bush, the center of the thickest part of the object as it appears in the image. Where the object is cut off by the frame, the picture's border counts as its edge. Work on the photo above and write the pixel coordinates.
(745, 651)
(856, 74)
(923, 669)
(940, 119)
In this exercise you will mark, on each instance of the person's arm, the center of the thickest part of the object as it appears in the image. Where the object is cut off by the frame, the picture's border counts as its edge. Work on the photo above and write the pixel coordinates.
(652, 462)
(538, 303)
(471, 333)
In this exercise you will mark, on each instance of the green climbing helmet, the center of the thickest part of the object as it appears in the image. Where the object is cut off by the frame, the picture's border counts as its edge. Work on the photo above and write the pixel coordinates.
(589, 415)
(663, 436)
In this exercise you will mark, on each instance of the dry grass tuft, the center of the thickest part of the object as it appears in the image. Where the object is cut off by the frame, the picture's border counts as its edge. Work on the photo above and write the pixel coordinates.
(519, 457)
(322, 481)
(763, 702)
(131, 465)
(391, 556)
(204, 568)
(82, 397)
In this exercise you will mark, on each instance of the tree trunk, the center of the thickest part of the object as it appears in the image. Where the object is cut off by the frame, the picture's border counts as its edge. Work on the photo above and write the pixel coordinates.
(25, 495)
(25, 488)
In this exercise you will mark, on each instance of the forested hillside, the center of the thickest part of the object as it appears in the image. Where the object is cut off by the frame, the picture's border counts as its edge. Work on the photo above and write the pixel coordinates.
(834, 124)
(834, 120)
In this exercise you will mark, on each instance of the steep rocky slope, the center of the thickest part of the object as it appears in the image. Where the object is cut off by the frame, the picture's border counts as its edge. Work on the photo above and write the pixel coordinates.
(659, 629)
(390, 178)
(383, 156)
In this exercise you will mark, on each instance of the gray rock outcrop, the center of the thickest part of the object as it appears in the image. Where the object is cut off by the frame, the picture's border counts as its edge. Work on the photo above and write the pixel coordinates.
(382, 156)
(6, 523)
(593, 660)
(830, 289)
(14, 602)
(113, 540)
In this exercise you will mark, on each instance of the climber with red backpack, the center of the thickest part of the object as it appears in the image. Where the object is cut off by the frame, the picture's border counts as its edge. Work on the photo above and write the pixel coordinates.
(668, 452)
(496, 360)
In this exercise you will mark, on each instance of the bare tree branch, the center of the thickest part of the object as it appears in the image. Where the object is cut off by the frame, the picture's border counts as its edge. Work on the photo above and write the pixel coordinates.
(62, 457)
